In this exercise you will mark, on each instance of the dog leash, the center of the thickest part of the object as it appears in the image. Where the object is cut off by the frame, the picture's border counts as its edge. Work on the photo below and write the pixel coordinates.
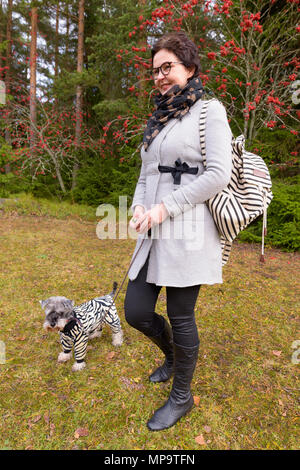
(124, 278)
(76, 320)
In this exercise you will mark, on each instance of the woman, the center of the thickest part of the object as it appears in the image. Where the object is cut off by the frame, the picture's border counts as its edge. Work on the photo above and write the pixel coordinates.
(179, 245)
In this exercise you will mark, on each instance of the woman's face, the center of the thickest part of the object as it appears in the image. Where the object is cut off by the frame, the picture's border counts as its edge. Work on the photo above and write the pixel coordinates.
(178, 74)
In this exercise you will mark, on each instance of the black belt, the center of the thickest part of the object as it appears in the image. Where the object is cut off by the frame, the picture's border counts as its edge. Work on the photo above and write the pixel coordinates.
(178, 169)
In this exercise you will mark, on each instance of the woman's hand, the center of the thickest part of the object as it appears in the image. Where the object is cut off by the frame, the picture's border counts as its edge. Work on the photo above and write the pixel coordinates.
(152, 217)
(138, 213)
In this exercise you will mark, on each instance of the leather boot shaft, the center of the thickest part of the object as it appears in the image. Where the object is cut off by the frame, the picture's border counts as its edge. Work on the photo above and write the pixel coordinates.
(185, 363)
(165, 342)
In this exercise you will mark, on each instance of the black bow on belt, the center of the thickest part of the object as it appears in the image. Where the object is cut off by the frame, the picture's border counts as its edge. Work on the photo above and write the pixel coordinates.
(178, 169)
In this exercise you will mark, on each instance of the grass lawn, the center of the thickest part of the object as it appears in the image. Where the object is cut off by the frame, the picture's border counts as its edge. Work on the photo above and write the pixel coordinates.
(245, 383)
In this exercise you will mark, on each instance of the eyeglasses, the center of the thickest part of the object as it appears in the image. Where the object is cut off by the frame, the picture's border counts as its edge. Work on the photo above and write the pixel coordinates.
(164, 68)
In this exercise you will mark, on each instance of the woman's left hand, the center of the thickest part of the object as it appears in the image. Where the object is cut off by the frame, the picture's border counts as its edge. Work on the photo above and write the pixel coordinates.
(152, 217)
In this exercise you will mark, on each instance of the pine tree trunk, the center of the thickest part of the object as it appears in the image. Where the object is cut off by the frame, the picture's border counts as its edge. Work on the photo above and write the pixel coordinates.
(67, 15)
(33, 52)
(142, 42)
(80, 53)
(56, 40)
(1, 40)
(7, 168)
(8, 48)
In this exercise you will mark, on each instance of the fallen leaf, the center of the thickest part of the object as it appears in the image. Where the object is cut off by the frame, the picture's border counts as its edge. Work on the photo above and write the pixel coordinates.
(81, 432)
(36, 418)
(52, 427)
(207, 429)
(132, 385)
(277, 353)
(196, 400)
(46, 417)
(200, 440)
(110, 355)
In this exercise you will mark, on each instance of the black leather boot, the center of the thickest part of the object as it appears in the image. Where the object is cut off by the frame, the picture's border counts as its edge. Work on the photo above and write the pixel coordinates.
(180, 401)
(165, 342)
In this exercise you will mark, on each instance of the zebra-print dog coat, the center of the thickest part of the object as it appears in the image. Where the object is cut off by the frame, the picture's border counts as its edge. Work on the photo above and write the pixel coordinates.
(89, 317)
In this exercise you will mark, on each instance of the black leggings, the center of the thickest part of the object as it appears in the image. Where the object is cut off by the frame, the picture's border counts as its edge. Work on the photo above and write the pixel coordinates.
(140, 301)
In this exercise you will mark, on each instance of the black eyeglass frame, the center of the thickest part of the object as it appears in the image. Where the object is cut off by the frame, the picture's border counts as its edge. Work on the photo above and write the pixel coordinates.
(155, 71)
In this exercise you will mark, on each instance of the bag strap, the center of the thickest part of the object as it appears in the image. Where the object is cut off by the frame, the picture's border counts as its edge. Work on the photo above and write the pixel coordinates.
(225, 244)
(264, 226)
(202, 125)
(240, 148)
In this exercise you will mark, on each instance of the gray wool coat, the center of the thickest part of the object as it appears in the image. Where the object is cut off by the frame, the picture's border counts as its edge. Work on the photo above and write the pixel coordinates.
(185, 249)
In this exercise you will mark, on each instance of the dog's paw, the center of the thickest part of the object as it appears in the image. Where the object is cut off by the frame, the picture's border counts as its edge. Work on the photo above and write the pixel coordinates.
(78, 366)
(64, 357)
(117, 339)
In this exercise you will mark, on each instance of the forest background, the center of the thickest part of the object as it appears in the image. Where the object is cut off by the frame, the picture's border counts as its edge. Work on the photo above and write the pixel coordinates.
(76, 92)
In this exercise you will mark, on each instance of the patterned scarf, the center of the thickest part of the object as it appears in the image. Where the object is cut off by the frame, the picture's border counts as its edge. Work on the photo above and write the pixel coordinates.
(173, 104)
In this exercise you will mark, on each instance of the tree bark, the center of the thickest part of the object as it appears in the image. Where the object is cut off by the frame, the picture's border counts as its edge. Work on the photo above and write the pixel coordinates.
(7, 168)
(56, 40)
(80, 54)
(142, 42)
(1, 40)
(33, 52)
(67, 15)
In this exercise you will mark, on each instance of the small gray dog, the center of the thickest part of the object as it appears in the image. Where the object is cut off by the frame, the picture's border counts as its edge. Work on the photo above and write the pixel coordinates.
(76, 325)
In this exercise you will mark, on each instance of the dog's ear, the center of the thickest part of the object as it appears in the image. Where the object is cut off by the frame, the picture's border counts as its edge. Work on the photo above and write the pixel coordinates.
(69, 303)
(43, 303)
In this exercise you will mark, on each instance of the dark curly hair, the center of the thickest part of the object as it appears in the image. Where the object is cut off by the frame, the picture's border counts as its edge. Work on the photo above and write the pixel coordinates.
(179, 44)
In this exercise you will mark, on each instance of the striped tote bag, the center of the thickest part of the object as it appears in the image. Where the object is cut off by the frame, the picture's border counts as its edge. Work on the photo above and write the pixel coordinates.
(247, 195)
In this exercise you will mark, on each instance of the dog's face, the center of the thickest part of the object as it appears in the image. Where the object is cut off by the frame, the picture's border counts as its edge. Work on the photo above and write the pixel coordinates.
(58, 312)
